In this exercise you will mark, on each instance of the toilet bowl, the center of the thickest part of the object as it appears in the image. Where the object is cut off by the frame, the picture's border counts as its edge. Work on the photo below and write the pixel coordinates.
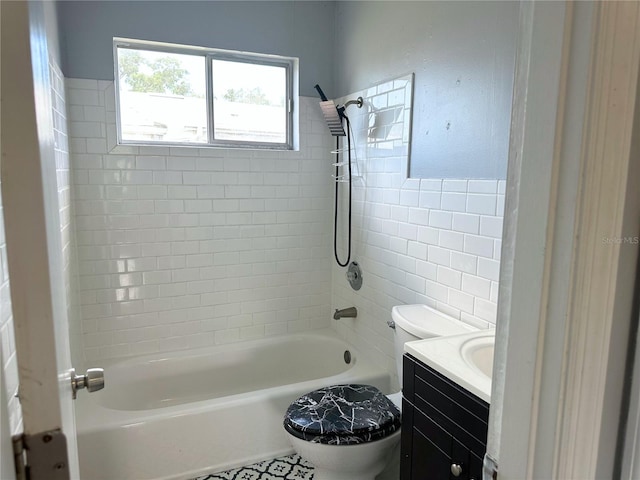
(347, 462)
(348, 432)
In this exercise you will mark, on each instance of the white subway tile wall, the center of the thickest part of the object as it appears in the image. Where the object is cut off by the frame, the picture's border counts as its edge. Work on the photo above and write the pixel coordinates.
(186, 247)
(7, 338)
(182, 247)
(67, 218)
(433, 241)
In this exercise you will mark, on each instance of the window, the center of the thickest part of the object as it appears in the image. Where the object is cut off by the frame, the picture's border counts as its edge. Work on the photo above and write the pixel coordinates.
(179, 95)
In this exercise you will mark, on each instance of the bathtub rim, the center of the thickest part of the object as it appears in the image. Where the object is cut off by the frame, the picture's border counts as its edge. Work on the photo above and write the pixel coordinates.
(223, 347)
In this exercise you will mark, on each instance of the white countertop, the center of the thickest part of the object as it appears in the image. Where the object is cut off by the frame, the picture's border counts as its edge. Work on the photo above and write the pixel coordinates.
(445, 355)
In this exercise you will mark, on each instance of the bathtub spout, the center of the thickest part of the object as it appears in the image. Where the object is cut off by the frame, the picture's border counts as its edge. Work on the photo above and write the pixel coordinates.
(350, 312)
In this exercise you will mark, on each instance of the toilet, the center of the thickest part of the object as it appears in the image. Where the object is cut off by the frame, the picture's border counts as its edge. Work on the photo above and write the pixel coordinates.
(348, 432)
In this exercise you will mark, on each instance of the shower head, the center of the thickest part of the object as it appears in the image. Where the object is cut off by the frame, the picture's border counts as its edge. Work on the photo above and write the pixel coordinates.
(332, 115)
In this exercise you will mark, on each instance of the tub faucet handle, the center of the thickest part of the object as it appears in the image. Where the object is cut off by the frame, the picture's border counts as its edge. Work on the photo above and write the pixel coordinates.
(93, 380)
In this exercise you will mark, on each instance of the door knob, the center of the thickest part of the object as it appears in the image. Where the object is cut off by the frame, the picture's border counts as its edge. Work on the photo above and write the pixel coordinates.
(456, 470)
(93, 380)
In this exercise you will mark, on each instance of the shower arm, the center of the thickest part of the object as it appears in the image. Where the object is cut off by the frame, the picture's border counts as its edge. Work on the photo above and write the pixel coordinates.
(358, 101)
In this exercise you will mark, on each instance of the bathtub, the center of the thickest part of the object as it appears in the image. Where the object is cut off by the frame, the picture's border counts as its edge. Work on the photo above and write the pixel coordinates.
(179, 415)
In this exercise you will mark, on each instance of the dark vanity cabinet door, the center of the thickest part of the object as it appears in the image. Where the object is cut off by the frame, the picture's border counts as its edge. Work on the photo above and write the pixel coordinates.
(444, 427)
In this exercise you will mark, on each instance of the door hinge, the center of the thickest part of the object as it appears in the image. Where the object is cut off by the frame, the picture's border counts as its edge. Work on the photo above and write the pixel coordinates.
(489, 468)
(290, 105)
(41, 456)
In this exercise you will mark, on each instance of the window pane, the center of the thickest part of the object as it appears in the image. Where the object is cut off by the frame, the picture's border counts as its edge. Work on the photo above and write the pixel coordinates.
(249, 102)
(162, 96)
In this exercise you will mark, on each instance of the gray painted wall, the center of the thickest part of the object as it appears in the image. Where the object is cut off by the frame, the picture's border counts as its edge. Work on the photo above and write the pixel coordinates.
(462, 54)
(53, 33)
(298, 29)
(463, 57)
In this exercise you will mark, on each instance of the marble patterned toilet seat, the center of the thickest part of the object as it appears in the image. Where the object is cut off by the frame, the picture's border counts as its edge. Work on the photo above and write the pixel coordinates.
(342, 415)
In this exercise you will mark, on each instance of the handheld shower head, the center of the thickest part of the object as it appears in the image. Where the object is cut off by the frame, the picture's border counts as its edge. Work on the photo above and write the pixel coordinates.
(333, 117)
(332, 114)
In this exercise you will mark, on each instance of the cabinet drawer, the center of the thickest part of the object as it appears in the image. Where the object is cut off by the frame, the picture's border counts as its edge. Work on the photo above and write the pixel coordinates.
(414, 368)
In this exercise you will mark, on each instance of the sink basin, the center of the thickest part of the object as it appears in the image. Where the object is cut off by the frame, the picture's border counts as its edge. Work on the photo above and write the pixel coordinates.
(466, 359)
(478, 353)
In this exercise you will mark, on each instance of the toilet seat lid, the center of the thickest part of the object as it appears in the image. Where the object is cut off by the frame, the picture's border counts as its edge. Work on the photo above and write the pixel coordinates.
(342, 415)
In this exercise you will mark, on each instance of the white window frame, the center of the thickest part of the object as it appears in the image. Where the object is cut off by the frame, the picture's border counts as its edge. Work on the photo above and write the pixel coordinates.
(290, 64)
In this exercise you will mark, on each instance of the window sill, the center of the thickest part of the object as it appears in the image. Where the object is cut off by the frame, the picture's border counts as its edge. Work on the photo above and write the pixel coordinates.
(208, 146)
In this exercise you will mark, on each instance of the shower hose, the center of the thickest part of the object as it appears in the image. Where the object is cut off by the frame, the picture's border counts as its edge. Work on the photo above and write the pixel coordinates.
(335, 208)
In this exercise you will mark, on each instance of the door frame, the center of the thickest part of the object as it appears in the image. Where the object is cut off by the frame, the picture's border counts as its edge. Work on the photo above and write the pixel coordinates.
(569, 260)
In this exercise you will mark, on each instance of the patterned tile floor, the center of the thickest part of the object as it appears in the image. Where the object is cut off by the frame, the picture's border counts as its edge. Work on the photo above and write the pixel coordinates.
(291, 467)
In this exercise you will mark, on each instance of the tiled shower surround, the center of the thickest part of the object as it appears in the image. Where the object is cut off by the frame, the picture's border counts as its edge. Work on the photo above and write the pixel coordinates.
(66, 209)
(187, 247)
(432, 241)
(8, 348)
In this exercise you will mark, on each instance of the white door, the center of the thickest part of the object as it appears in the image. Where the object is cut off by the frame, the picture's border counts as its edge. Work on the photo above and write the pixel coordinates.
(29, 195)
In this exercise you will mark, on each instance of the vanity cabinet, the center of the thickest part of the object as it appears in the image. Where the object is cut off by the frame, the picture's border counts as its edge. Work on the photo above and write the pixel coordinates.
(444, 427)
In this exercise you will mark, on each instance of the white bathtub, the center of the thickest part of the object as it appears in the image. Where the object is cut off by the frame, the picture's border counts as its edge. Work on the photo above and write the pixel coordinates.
(178, 415)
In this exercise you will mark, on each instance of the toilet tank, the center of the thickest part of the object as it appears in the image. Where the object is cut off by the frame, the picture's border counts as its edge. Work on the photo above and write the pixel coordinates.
(419, 322)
